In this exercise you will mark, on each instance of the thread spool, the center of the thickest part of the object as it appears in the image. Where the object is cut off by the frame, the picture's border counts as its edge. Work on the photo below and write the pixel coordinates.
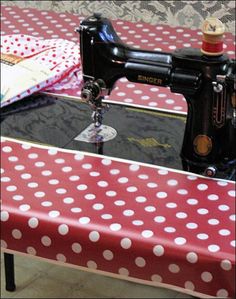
(212, 43)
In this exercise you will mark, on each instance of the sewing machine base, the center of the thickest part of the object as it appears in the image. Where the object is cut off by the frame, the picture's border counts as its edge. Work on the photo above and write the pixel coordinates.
(142, 135)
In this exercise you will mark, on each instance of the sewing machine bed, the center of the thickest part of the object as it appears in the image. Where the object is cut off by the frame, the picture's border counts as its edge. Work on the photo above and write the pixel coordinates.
(142, 135)
(137, 221)
(48, 25)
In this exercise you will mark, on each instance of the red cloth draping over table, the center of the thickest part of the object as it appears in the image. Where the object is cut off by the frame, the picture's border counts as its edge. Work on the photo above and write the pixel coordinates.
(127, 218)
(47, 24)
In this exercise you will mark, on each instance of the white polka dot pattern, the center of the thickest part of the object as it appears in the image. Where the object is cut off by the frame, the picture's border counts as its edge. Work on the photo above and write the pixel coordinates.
(129, 228)
(60, 57)
(139, 35)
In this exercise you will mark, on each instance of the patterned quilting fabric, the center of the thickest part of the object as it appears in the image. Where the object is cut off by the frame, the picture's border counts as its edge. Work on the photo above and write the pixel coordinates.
(59, 56)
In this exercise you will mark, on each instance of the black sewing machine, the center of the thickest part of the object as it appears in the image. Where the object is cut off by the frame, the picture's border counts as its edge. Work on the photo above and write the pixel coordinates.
(206, 78)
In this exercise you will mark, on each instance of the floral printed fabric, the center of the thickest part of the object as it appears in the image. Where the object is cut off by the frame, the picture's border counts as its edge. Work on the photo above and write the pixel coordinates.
(60, 56)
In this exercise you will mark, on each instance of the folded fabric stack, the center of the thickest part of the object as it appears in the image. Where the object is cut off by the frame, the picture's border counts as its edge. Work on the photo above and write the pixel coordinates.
(30, 64)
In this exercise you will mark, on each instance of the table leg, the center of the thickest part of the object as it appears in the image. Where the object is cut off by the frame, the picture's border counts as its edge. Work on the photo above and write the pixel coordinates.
(9, 272)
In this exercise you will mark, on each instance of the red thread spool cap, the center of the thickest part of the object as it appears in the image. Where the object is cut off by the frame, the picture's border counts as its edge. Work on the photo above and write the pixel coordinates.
(212, 43)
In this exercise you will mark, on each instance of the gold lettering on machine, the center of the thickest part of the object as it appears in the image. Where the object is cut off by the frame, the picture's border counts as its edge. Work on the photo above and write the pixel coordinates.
(150, 80)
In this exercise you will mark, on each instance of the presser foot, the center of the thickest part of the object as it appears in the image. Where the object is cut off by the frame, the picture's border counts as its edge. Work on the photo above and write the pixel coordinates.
(97, 115)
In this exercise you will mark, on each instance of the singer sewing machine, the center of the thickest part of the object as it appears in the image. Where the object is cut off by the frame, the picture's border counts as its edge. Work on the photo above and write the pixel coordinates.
(206, 78)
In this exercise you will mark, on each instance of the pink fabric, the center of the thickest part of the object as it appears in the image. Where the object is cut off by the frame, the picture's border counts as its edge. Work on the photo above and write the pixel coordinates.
(62, 57)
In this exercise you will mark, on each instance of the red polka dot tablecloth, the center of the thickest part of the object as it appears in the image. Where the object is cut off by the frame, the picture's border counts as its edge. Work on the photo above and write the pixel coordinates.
(47, 24)
(159, 226)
